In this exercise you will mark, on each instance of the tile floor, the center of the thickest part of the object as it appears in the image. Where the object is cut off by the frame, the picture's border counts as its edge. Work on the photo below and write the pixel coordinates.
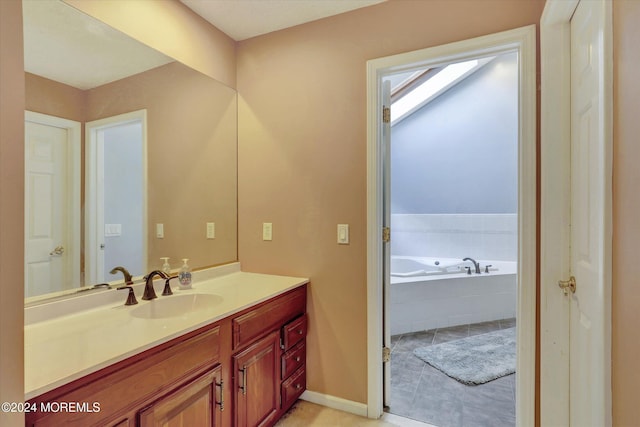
(421, 392)
(305, 414)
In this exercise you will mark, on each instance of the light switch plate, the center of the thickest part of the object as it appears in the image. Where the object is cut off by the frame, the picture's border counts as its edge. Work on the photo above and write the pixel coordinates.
(267, 231)
(211, 230)
(343, 234)
(160, 231)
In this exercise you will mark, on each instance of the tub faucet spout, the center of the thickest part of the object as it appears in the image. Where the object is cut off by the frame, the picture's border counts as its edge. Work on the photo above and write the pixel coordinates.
(476, 264)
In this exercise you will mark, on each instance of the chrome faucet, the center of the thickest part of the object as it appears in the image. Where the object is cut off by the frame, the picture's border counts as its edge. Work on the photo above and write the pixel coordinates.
(149, 292)
(476, 264)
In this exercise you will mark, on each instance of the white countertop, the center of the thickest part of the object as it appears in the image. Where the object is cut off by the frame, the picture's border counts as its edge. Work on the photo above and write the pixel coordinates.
(68, 347)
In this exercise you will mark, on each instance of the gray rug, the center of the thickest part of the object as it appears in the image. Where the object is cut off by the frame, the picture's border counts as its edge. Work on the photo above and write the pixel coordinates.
(474, 360)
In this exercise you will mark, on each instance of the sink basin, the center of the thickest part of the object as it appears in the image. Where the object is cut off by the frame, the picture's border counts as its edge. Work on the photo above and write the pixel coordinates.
(175, 306)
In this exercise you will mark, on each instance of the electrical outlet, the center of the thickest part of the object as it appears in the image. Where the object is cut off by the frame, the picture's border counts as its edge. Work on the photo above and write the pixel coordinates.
(211, 230)
(267, 231)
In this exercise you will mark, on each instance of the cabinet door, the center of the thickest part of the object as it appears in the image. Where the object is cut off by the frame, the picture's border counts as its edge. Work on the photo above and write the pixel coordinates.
(196, 404)
(256, 382)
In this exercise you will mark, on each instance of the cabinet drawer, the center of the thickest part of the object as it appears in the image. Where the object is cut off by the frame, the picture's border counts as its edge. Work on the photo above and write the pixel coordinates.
(294, 387)
(293, 359)
(294, 332)
(268, 317)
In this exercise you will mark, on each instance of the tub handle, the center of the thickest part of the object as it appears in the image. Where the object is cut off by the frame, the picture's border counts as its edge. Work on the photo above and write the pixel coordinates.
(468, 270)
(486, 268)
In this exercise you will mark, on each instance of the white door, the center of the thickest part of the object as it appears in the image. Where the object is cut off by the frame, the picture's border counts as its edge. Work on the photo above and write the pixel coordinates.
(50, 240)
(386, 224)
(590, 232)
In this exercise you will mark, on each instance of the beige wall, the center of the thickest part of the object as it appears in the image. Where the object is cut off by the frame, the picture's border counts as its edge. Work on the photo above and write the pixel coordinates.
(191, 157)
(171, 28)
(302, 157)
(53, 98)
(192, 134)
(11, 208)
(626, 214)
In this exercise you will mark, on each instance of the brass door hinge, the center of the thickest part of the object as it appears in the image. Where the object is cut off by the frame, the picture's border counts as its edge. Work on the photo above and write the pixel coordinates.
(386, 354)
(386, 234)
(386, 115)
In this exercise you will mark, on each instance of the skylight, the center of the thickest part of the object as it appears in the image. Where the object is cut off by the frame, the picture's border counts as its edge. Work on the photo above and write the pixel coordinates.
(434, 86)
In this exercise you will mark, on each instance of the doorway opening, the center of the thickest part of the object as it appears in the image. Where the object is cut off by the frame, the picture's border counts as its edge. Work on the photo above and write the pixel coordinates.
(521, 44)
(453, 285)
(116, 215)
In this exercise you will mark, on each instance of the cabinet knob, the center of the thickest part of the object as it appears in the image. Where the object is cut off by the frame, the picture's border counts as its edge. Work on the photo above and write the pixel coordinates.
(300, 331)
(297, 358)
(298, 386)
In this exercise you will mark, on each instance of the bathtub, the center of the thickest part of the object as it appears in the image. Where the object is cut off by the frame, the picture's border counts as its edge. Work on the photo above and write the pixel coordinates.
(429, 293)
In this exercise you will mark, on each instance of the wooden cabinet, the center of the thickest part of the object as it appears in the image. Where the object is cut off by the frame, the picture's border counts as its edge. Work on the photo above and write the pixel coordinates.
(122, 389)
(293, 361)
(197, 403)
(257, 382)
(269, 359)
(245, 370)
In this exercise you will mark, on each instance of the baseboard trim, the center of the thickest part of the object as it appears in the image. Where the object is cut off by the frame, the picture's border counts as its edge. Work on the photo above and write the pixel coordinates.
(335, 402)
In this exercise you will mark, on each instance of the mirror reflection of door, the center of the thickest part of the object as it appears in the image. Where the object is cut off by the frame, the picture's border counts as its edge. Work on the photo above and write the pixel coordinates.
(52, 194)
(116, 188)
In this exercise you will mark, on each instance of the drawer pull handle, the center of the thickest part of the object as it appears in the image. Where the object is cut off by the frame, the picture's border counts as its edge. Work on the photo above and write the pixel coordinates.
(243, 387)
(221, 403)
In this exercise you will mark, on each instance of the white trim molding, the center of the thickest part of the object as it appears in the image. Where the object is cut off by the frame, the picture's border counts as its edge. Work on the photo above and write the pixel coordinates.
(93, 234)
(523, 41)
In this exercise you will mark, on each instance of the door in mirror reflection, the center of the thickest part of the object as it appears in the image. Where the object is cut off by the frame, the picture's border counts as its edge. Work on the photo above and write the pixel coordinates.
(52, 233)
(116, 196)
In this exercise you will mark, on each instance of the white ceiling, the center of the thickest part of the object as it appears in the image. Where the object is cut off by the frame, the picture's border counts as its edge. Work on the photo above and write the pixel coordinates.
(65, 45)
(243, 19)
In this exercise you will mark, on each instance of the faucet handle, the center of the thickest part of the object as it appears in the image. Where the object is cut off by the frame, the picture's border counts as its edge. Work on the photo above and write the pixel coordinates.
(167, 287)
(486, 268)
(131, 297)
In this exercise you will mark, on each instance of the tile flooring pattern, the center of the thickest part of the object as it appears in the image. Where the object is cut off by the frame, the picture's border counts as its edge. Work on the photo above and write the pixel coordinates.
(421, 392)
(306, 414)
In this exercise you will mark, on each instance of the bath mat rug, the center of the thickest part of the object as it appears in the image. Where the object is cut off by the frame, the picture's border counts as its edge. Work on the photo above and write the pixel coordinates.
(474, 360)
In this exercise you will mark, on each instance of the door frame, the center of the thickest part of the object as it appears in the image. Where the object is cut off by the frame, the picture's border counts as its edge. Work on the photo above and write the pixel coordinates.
(555, 153)
(74, 144)
(94, 266)
(522, 40)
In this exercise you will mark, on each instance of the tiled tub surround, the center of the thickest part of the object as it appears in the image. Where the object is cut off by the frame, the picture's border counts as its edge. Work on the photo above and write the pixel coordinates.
(479, 236)
(421, 392)
(428, 302)
(100, 332)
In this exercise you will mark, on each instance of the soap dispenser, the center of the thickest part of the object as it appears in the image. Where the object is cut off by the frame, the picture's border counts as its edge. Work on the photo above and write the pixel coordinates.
(166, 268)
(184, 277)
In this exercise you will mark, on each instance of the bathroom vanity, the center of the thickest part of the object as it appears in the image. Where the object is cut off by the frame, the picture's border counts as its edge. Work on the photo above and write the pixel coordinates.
(240, 362)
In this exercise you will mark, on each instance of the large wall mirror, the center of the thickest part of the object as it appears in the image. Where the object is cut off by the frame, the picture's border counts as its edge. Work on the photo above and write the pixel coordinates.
(130, 156)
